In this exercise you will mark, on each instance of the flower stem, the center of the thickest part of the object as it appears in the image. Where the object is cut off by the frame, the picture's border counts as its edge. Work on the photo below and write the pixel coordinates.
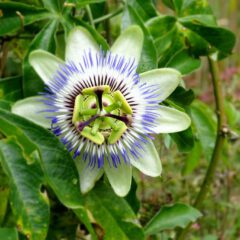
(90, 16)
(108, 16)
(222, 132)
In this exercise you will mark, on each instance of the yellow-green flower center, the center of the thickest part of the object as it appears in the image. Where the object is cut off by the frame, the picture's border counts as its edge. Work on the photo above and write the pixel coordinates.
(101, 115)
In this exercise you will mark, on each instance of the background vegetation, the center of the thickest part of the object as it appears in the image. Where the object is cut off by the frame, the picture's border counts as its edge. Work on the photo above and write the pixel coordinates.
(36, 203)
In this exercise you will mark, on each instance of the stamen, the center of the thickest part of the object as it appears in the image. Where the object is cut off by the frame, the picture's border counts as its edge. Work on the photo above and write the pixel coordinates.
(98, 138)
(124, 104)
(88, 112)
(117, 133)
(78, 105)
(126, 119)
(113, 106)
(96, 126)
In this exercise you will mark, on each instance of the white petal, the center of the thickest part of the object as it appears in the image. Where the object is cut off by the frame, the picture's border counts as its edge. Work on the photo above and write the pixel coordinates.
(129, 43)
(79, 39)
(120, 178)
(165, 79)
(88, 176)
(45, 64)
(149, 163)
(171, 120)
(32, 108)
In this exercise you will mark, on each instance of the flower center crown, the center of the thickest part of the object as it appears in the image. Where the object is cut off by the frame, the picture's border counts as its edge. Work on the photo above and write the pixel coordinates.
(101, 115)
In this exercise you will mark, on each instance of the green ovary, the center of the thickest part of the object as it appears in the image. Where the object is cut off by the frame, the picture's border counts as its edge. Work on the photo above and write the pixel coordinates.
(99, 114)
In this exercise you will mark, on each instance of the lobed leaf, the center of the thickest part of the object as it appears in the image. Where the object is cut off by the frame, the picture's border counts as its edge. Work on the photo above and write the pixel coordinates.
(56, 162)
(6, 105)
(30, 151)
(184, 62)
(182, 97)
(145, 8)
(202, 117)
(8, 234)
(170, 217)
(113, 214)
(4, 193)
(82, 215)
(192, 159)
(184, 140)
(188, 7)
(178, 56)
(221, 39)
(11, 88)
(54, 6)
(29, 205)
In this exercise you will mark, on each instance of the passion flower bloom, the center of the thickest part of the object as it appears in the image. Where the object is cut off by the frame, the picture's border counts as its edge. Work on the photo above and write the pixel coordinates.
(102, 109)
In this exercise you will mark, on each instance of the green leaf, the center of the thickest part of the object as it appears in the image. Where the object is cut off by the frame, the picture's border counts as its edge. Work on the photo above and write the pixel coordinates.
(188, 7)
(164, 42)
(8, 234)
(163, 29)
(232, 114)
(45, 40)
(205, 126)
(30, 206)
(177, 44)
(81, 3)
(12, 12)
(197, 31)
(148, 59)
(182, 97)
(207, 20)
(54, 6)
(184, 62)
(170, 3)
(56, 162)
(192, 159)
(30, 151)
(6, 105)
(4, 192)
(11, 88)
(195, 7)
(184, 140)
(132, 199)
(196, 44)
(145, 8)
(82, 215)
(160, 25)
(170, 217)
(221, 39)
(148, 7)
(116, 219)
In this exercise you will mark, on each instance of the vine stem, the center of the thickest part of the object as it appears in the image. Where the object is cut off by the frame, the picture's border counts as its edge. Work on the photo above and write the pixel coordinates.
(90, 16)
(222, 132)
(110, 15)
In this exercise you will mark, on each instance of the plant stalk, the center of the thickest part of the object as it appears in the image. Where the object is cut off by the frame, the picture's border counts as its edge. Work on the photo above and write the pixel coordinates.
(90, 16)
(222, 132)
(108, 16)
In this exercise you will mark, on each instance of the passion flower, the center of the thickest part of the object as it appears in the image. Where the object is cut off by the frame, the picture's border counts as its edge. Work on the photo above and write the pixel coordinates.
(103, 111)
